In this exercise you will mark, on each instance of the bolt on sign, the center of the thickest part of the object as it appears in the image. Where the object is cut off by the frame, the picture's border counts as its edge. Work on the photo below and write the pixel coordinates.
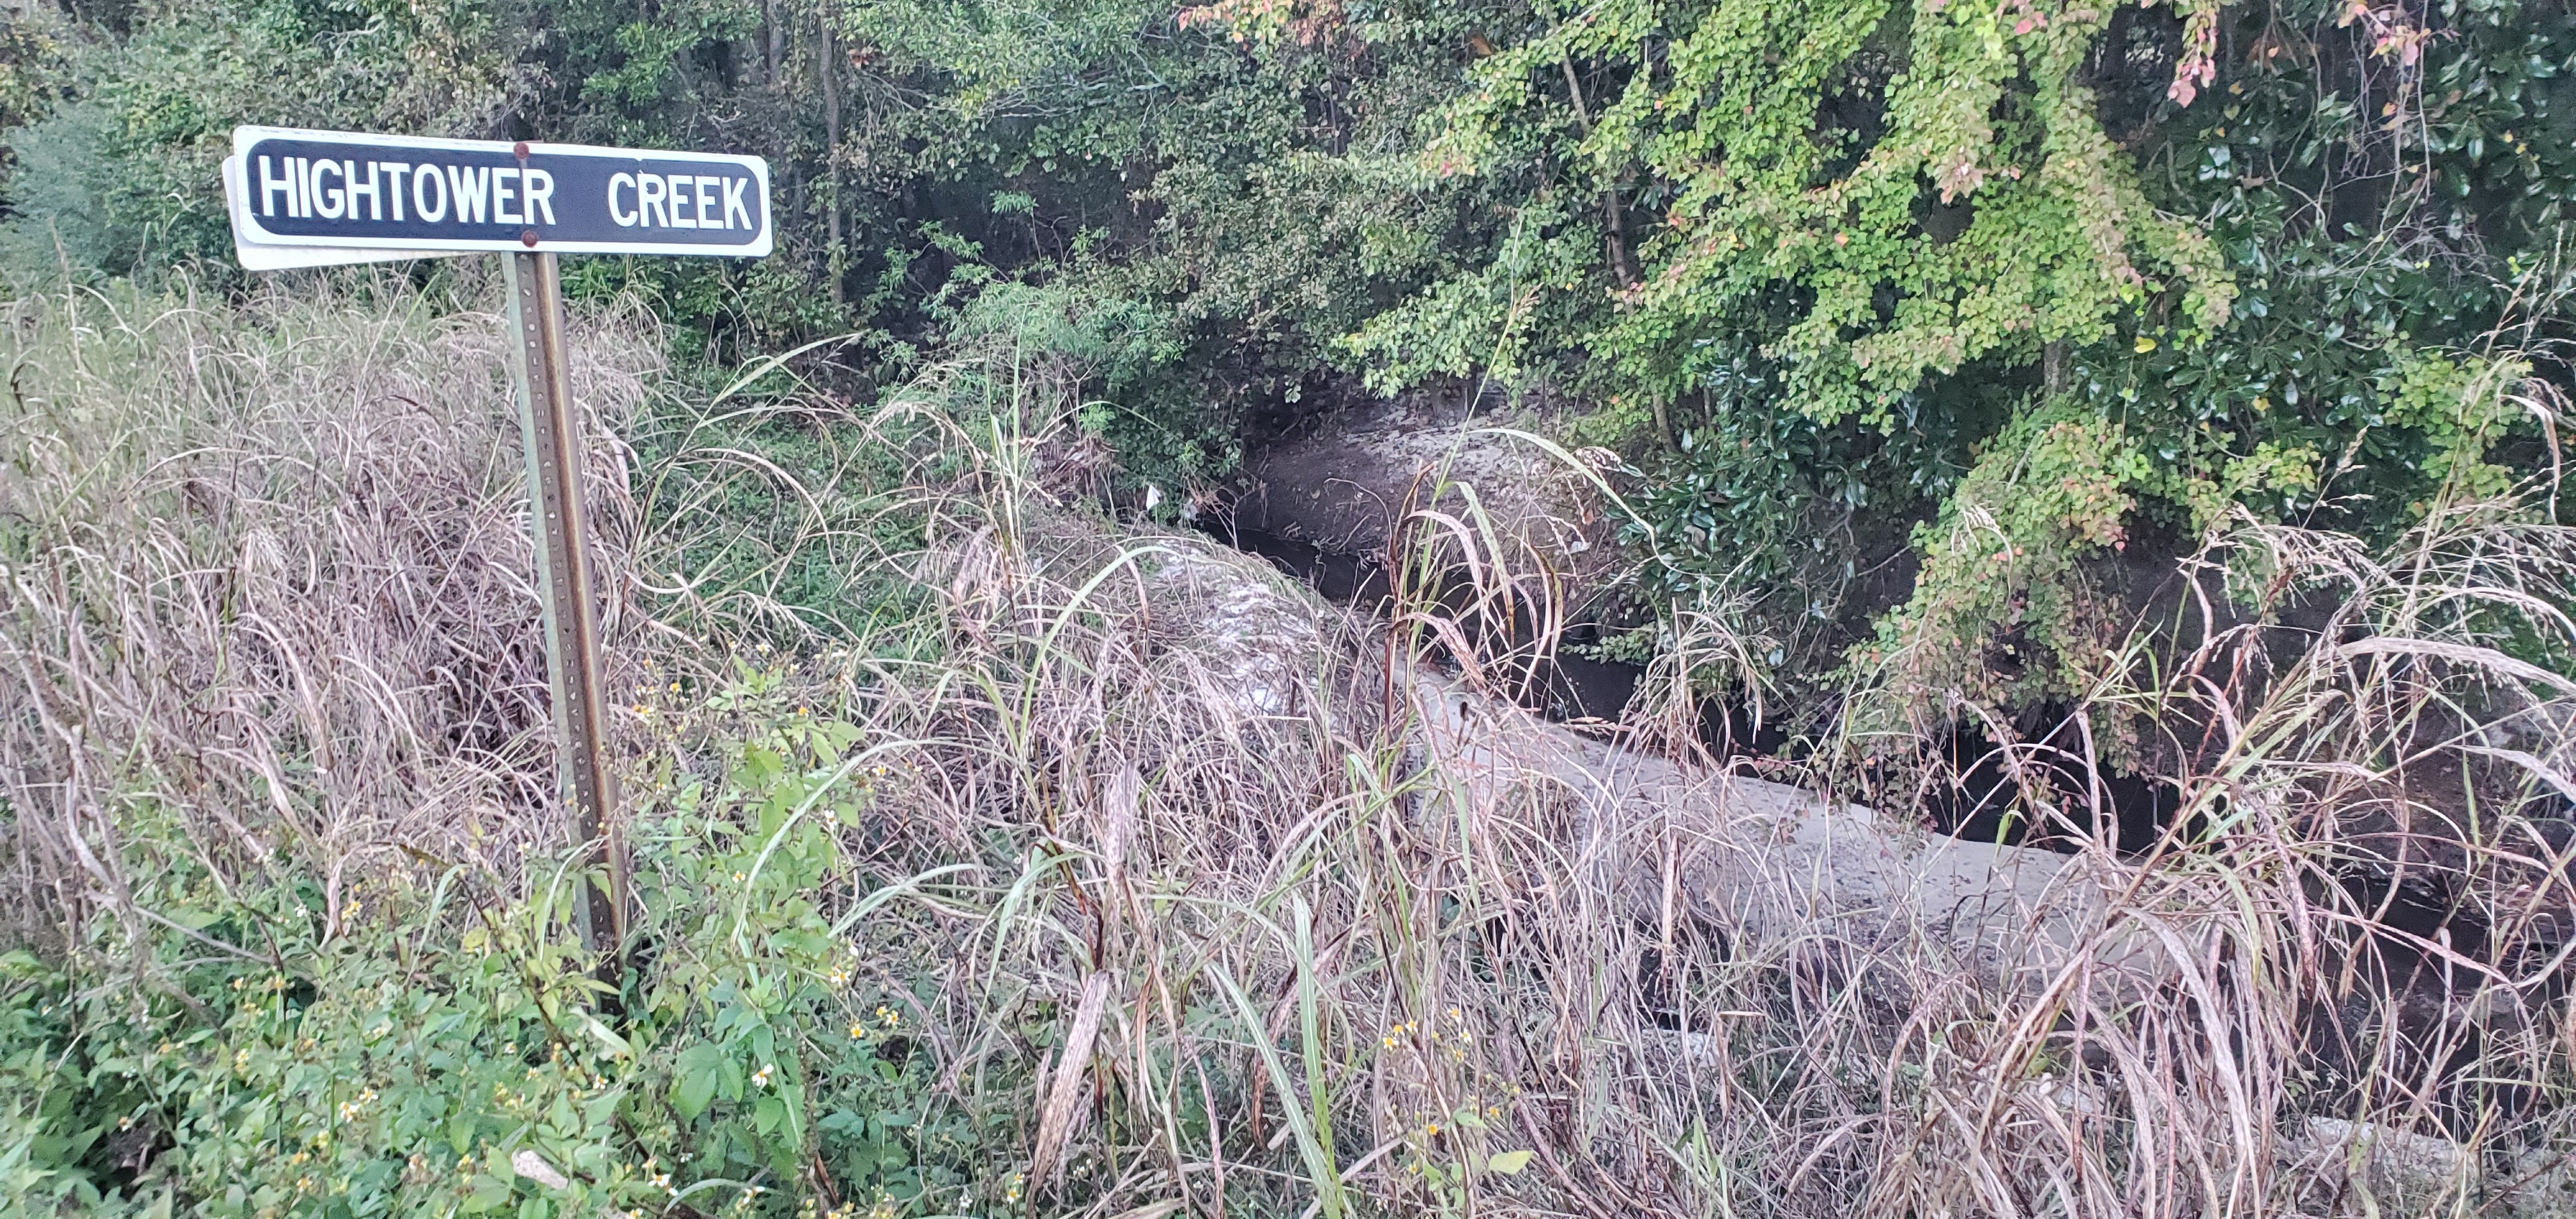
(323, 198)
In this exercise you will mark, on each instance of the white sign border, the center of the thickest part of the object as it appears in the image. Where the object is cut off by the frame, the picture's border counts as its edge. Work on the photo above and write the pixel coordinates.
(297, 257)
(247, 231)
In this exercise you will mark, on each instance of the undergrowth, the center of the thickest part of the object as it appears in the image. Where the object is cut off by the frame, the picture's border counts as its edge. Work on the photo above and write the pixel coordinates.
(445, 1048)
(1040, 864)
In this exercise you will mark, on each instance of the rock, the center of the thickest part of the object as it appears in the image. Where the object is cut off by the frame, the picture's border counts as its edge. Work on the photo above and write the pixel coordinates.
(1252, 644)
(1343, 487)
(1769, 864)
(1764, 863)
(2344, 1168)
(534, 1167)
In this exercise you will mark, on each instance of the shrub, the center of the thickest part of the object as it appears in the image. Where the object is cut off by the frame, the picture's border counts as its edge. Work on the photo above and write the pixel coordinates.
(439, 1042)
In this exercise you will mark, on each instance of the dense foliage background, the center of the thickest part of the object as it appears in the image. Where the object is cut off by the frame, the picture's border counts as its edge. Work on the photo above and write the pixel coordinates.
(1834, 278)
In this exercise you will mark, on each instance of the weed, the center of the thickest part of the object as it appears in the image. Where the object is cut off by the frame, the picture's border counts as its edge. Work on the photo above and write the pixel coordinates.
(1096, 871)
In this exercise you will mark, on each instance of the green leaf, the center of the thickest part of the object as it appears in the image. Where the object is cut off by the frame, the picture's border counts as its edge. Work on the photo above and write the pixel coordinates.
(616, 1045)
(1509, 1163)
(693, 1082)
(489, 1192)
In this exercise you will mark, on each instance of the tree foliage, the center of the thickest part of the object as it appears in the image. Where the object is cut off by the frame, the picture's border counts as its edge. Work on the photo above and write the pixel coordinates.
(1807, 162)
(1811, 267)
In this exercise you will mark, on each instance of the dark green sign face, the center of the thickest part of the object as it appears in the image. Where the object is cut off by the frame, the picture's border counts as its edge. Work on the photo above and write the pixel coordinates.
(321, 189)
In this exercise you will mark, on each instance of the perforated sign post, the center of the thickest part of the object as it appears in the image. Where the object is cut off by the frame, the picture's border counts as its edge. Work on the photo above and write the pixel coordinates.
(321, 198)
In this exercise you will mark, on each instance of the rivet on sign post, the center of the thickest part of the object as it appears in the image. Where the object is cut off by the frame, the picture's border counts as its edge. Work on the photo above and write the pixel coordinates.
(322, 198)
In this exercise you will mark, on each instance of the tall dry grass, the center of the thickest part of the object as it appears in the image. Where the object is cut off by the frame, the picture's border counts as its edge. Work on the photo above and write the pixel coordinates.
(1191, 881)
(269, 575)
(2282, 1011)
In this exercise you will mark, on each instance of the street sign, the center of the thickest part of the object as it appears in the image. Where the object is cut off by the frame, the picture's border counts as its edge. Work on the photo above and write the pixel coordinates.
(412, 196)
(317, 198)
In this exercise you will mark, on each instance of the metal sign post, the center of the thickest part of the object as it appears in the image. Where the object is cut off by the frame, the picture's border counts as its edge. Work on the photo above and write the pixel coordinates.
(319, 198)
(556, 514)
